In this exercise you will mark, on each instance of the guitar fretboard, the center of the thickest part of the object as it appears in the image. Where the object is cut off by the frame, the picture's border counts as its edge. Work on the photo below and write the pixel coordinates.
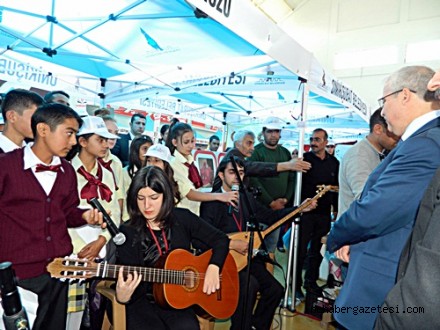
(155, 275)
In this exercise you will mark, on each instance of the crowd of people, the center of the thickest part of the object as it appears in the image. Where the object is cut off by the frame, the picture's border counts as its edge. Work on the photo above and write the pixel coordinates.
(381, 226)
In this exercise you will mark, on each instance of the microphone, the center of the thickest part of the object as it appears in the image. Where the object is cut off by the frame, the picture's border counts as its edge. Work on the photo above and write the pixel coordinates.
(14, 316)
(234, 187)
(263, 255)
(118, 237)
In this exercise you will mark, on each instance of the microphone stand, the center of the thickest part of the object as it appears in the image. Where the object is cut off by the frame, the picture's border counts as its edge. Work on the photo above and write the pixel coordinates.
(252, 226)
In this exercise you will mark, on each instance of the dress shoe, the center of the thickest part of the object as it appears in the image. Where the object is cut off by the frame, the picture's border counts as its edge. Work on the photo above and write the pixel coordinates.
(281, 249)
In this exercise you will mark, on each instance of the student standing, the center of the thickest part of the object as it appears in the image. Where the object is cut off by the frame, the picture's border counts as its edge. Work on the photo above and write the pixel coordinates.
(38, 202)
(94, 181)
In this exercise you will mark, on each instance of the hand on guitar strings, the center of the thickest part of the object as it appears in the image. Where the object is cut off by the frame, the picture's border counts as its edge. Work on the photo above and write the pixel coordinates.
(126, 287)
(239, 246)
(312, 205)
(212, 279)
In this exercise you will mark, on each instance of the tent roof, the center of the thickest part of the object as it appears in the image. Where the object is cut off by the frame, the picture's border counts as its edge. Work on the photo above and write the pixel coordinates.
(160, 51)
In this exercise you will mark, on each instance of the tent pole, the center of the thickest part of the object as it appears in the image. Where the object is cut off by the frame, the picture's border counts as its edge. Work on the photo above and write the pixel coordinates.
(292, 259)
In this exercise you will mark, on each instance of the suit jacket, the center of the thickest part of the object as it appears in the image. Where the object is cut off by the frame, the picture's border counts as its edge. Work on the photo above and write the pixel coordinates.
(122, 148)
(378, 224)
(418, 281)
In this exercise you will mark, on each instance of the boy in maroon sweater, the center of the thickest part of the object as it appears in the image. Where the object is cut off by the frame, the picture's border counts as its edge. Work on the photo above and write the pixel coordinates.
(38, 202)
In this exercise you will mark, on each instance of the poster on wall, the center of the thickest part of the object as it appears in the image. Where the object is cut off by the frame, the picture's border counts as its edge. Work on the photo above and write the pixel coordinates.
(207, 165)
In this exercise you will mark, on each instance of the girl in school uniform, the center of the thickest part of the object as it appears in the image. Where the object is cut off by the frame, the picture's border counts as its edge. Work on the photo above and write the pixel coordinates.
(94, 181)
(136, 159)
(112, 162)
(160, 156)
(181, 142)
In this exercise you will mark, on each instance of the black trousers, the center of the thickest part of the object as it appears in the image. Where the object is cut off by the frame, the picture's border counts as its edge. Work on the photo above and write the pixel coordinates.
(144, 315)
(312, 228)
(52, 301)
(271, 293)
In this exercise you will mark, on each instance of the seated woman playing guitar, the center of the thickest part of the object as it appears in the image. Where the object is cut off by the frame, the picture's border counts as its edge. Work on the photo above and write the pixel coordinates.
(155, 228)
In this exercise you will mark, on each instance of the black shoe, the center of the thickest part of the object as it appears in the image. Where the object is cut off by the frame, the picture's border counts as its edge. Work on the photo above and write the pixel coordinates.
(312, 287)
(281, 249)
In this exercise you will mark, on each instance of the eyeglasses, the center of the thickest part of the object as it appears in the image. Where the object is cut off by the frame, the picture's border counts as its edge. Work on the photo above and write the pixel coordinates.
(315, 139)
(382, 99)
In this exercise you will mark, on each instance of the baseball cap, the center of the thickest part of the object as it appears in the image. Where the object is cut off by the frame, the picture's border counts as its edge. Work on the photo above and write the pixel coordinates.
(273, 123)
(95, 125)
(159, 151)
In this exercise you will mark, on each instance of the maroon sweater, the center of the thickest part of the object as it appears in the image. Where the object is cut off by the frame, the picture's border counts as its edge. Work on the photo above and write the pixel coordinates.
(33, 226)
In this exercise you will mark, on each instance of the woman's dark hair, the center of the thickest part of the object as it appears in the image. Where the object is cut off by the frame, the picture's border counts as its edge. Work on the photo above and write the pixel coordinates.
(77, 147)
(176, 131)
(170, 174)
(163, 129)
(133, 158)
(156, 179)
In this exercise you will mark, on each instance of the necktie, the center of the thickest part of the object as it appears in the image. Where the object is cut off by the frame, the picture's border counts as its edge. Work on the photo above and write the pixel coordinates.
(107, 165)
(194, 175)
(43, 168)
(90, 190)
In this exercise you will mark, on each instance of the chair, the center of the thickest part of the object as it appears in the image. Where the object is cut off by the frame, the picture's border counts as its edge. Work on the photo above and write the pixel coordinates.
(118, 318)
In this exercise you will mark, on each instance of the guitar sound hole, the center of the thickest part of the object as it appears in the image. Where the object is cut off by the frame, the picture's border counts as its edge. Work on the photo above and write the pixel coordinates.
(191, 280)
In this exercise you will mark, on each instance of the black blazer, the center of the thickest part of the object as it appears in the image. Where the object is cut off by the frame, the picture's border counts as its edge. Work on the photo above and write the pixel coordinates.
(122, 148)
(418, 279)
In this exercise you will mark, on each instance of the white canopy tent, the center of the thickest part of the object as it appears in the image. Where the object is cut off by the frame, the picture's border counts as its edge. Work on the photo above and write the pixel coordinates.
(150, 52)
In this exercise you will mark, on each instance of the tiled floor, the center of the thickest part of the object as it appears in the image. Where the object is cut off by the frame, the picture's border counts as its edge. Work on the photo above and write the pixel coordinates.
(285, 319)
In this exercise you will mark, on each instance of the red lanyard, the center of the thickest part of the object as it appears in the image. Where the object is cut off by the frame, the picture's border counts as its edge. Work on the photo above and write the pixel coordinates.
(238, 223)
(159, 248)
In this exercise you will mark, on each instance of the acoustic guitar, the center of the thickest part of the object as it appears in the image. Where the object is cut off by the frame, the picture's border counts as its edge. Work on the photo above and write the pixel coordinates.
(178, 285)
(241, 259)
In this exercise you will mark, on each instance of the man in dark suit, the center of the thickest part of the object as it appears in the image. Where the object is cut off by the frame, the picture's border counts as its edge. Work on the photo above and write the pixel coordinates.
(373, 231)
(122, 146)
(414, 299)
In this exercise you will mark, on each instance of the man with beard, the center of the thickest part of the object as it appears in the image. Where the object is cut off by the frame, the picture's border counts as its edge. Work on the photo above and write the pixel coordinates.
(276, 191)
(244, 147)
(315, 224)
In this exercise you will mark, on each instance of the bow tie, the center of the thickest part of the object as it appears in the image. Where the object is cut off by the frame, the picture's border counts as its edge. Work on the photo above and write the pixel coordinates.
(90, 190)
(43, 168)
(194, 175)
(107, 165)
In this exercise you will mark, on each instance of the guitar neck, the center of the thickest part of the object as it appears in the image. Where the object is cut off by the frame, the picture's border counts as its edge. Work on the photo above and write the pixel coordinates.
(300, 208)
(153, 275)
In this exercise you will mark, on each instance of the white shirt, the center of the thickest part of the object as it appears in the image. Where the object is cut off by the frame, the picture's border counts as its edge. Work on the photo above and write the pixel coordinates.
(7, 145)
(86, 234)
(181, 172)
(45, 178)
(419, 122)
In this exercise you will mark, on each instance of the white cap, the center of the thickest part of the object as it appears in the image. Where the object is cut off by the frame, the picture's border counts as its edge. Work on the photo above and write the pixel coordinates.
(159, 151)
(273, 123)
(95, 125)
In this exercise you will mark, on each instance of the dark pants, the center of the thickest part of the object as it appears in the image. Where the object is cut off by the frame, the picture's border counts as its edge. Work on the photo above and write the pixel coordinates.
(143, 314)
(52, 301)
(271, 292)
(312, 228)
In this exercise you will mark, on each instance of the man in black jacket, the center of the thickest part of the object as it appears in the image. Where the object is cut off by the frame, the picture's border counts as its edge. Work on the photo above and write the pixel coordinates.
(231, 219)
